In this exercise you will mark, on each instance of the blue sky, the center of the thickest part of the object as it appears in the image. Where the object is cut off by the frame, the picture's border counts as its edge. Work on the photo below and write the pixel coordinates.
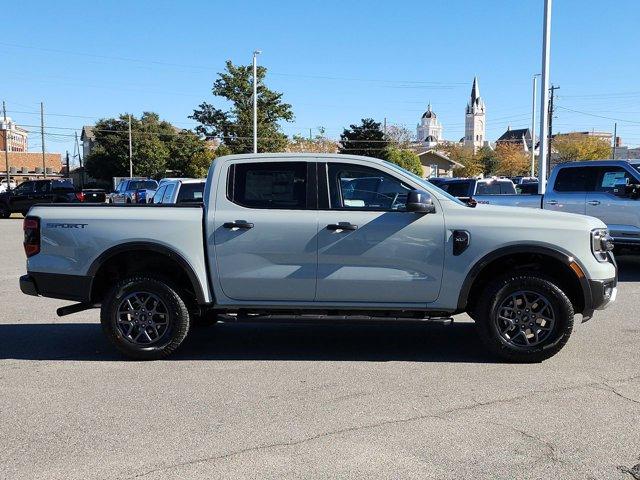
(335, 61)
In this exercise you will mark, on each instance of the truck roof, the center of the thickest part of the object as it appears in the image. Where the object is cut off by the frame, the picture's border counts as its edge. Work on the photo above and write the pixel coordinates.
(599, 163)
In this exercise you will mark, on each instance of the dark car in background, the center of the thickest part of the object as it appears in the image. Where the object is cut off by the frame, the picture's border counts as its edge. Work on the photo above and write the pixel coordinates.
(27, 194)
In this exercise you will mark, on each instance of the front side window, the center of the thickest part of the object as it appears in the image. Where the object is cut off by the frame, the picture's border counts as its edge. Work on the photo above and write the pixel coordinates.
(457, 189)
(166, 198)
(613, 180)
(358, 187)
(276, 185)
(157, 197)
(488, 188)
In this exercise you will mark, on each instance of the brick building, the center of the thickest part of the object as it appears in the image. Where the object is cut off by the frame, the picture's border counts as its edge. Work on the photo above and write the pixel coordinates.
(24, 165)
(17, 137)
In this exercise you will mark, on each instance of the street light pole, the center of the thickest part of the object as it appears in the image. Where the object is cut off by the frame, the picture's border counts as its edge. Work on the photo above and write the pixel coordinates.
(533, 125)
(544, 104)
(255, 100)
(130, 151)
(6, 145)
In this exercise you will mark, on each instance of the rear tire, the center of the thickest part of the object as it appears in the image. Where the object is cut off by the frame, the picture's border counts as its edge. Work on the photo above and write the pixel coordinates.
(524, 317)
(145, 318)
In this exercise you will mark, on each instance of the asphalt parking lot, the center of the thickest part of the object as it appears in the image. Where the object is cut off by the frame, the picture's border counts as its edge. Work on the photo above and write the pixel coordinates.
(269, 401)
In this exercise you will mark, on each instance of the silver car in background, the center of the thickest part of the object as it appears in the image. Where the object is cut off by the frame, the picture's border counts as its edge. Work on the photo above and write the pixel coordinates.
(179, 190)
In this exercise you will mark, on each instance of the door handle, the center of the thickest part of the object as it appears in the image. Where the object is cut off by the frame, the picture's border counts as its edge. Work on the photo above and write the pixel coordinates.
(238, 224)
(552, 202)
(594, 202)
(342, 226)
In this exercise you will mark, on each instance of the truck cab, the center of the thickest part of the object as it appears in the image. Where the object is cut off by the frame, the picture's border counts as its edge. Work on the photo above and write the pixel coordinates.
(601, 189)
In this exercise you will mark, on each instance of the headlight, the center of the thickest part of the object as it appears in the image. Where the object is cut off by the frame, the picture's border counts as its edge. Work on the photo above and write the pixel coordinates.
(601, 244)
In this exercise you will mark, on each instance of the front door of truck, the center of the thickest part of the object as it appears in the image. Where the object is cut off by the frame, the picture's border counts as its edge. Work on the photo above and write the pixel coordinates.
(264, 231)
(22, 197)
(370, 249)
(610, 203)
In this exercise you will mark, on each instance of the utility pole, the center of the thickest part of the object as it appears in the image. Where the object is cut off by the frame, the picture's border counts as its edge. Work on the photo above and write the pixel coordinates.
(615, 140)
(130, 151)
(309, 134)
(384, 128)
(255, 100)
(68, 169)
(76, 147)
(533, 125)
(551, 112)
(544, 102)
(44, 163)
(6, 144)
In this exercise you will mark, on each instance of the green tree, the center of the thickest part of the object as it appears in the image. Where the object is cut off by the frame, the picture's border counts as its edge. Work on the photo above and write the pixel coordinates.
(406, 159)
(365, 139)
(488, 159)
(157, 146)
(471, 165)
(575, 146)
(234, 127)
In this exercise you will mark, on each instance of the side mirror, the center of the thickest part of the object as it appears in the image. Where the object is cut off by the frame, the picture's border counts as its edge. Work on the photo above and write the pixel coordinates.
(420, 201)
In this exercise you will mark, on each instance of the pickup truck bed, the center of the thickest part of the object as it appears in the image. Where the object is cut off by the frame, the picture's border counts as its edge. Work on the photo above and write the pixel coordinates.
(113, 228)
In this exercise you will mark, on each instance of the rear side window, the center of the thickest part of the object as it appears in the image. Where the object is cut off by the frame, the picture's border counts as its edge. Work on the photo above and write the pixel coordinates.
(576, 179)
(58, 186)
(143, 185)
(190, 192)
(278, 185)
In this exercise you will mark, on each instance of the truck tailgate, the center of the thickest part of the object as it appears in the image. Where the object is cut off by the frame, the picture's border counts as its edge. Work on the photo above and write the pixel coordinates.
(73, 236)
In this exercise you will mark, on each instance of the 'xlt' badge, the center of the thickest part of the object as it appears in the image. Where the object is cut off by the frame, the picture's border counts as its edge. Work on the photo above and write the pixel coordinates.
(461, 240)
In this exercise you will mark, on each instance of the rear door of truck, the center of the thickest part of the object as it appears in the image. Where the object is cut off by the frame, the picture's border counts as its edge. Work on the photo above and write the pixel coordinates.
(567, 190)
(264, 230)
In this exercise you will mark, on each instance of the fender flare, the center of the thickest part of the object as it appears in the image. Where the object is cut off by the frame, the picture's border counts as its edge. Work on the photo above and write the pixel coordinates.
(564, 257)
(150, 247)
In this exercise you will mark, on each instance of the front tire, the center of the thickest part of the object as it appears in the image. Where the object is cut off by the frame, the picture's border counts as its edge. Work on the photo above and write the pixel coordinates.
(145, 318)
(524, 317)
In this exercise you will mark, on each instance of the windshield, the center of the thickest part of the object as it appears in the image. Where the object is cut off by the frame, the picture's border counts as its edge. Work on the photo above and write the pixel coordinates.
(422, 182)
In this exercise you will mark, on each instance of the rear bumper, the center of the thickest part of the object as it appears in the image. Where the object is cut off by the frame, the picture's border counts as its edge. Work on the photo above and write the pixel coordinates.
(66, 287)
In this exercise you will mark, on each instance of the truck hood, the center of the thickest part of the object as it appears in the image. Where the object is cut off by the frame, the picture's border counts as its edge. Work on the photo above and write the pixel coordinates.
(527, 216)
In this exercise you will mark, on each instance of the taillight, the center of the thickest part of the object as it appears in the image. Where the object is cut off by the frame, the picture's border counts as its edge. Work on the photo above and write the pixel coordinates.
(31, 227)
(80, 196)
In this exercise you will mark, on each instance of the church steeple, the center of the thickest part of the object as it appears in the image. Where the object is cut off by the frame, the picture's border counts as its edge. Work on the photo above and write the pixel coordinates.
(475, 90)
(474, 132)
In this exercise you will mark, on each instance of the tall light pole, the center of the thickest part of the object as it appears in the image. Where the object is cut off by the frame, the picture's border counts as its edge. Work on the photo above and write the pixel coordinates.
(130, 151)
(544, 103)
(255, 100)
(6, 145)
(533, 125)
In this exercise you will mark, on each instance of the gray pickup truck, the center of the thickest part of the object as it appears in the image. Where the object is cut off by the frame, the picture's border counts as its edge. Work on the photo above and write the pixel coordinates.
(605, 189)
(323, 237)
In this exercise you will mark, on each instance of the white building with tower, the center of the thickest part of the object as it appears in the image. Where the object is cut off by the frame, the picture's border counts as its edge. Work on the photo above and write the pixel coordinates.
(429, 130)
(475, 121)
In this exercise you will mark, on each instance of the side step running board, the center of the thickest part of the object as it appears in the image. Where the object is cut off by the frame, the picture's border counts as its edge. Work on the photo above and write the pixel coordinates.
(319, 318)
(75, 308)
